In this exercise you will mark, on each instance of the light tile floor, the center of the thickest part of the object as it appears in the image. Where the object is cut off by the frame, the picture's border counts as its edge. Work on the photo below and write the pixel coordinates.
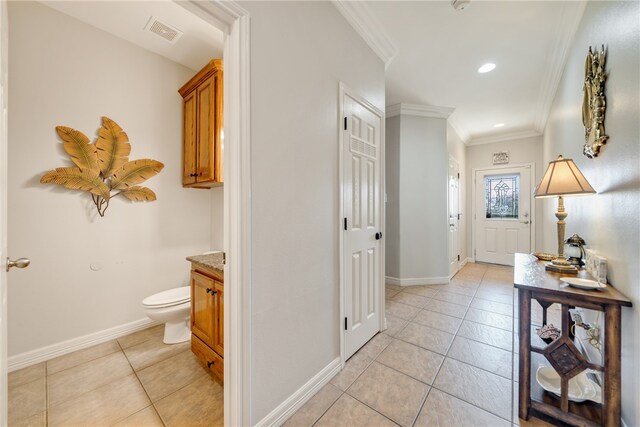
(447, 358)
(136, 380)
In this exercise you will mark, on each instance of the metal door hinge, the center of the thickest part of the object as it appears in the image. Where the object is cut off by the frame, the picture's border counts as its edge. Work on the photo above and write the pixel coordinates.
(458, 257)
(459, 215)
(458, 176)
(224, 258)
(345, 123)
(345, 323)
(345, 224)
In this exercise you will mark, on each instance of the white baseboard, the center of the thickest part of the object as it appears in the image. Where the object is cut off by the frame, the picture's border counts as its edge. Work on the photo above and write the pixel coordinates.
(287, 408)
(417, 281)
(465, 261)
(42, 354)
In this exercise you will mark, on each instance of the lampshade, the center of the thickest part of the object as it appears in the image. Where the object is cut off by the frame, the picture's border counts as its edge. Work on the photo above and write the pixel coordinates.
(563, 178)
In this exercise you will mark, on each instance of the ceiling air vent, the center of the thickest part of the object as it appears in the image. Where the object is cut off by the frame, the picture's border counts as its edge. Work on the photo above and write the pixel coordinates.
(164, 30)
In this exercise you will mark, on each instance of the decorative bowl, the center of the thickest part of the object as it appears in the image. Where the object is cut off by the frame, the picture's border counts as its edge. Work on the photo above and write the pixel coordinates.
(543, 256)
(581, 388)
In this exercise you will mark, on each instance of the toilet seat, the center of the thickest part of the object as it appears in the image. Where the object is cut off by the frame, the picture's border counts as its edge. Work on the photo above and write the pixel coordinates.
(168, 298)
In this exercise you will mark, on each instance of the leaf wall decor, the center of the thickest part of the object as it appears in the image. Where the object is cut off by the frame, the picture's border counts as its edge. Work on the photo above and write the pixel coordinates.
(104, 166)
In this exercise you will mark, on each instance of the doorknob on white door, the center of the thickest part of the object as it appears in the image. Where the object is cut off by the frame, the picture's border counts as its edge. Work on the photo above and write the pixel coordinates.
(525, 222)
(20, 263)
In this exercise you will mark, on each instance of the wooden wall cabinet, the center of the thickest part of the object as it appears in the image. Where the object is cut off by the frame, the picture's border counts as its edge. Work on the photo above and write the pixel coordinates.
(207, 319)
(203, 120)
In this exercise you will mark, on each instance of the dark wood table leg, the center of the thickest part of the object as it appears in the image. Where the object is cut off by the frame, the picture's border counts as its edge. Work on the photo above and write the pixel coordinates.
(524, 307)
(612, 353)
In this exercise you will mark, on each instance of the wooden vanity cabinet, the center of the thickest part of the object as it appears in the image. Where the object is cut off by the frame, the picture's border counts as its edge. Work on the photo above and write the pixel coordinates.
(207, 319)
(203, 120)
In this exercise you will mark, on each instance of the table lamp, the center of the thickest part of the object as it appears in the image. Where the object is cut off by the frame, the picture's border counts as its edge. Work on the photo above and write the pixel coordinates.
(562, 178)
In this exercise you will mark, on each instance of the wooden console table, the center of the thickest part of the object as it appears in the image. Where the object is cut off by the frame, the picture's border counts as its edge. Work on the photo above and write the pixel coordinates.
(534, 282)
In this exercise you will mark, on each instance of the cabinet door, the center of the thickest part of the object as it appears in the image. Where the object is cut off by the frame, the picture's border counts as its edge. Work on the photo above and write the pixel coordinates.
(203, 321)
(218, 336)
(189, 139)
(205, 95)
(218, 127)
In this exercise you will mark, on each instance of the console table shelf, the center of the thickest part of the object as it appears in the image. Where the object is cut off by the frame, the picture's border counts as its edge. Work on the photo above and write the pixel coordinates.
(534, 282)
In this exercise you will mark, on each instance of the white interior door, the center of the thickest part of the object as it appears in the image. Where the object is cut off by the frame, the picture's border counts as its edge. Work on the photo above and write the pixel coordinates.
(502, 224)
(454, 217)
(362, 223)
(4, 42)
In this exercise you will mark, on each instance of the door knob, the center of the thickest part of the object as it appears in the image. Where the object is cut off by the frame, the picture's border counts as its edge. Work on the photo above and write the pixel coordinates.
(20, 263)
(525, 222)
(378, 236)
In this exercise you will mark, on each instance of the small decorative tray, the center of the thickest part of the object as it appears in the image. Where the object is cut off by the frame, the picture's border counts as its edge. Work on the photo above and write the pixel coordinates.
(543, 256)
(589, 285)
(581, 388)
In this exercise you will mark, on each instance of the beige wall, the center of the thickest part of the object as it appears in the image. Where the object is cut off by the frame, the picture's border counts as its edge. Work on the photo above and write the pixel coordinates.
(392, 212)
(610, 220)
(417, 167)
(526, 150)
(64, 72)
(296, 67)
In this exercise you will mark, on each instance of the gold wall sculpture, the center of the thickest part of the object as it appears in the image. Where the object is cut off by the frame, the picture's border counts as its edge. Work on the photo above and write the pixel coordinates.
(103, 167)
(594, 102)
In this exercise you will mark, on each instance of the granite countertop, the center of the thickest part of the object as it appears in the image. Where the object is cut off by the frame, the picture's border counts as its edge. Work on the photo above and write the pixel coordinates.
(212, 260)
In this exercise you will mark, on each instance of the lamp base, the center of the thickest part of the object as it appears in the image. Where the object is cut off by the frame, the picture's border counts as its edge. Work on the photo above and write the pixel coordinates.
(561, 265)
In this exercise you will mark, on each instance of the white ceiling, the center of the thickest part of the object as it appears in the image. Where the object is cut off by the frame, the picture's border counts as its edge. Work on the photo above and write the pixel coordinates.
(200, 42)
(432, 52)
(438, 51)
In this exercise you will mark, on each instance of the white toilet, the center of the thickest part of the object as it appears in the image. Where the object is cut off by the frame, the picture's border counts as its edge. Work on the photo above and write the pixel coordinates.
(173, 308)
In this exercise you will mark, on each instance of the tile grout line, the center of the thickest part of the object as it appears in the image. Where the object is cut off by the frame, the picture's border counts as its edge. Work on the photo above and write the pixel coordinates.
(142, 386)
(112, 380)
(358, 377)
(373, 409)
(474, 405)
(481, 368)
(426, 396)
(410, 320)
(86, 361)
(463, 400)
(325, 411)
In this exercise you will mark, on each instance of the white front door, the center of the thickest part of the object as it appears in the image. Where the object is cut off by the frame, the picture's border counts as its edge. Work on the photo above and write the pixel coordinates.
(454, 217)
(502, 224)
(4, 42)
(361, 156)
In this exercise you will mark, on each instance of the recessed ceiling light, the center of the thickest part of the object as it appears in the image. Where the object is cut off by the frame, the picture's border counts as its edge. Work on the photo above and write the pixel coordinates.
(498, 125)
(486, 67)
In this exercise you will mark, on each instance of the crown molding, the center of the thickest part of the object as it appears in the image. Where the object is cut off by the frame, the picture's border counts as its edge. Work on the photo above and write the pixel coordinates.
(570, 18)
(358, 14)
(508, 136)
(418, 110)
